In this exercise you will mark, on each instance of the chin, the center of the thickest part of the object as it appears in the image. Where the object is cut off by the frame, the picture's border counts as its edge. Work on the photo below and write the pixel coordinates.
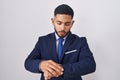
(62, 36)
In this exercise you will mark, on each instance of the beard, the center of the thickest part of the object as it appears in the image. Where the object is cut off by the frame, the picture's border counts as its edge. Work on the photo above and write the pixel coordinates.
(61, 36)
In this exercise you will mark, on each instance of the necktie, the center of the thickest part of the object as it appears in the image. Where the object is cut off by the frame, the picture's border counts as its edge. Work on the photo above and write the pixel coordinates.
(60, 40)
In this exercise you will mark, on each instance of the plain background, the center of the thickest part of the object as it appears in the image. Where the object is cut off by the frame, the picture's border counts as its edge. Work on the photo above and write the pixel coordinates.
(23, 21)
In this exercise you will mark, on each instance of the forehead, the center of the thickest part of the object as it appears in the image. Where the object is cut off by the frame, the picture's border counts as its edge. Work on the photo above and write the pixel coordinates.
(63, 18)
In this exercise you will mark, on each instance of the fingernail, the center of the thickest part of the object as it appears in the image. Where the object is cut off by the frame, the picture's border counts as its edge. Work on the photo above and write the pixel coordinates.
(61, 73)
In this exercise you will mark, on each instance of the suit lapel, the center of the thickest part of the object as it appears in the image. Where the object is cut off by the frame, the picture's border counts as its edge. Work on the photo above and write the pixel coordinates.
(52, 48)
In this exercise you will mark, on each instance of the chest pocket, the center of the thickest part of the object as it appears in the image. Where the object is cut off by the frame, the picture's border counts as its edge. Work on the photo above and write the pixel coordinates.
(71, 56)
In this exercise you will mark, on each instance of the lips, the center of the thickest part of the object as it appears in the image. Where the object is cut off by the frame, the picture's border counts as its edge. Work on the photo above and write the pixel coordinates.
(62, 32)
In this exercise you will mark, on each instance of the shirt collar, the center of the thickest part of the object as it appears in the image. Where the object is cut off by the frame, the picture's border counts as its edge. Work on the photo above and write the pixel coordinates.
(57, 37)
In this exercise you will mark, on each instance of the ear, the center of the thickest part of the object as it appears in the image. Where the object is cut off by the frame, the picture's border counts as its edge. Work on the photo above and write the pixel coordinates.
(52, 20)
(73, 22)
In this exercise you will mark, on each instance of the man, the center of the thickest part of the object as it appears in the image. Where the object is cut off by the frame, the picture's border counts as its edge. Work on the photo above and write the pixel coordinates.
(61, 55)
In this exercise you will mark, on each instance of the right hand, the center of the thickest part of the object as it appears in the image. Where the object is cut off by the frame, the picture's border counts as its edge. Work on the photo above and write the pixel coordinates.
(50, 69)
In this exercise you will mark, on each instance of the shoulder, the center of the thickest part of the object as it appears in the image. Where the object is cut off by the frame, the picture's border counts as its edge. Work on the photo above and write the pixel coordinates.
(74, 36)
(46, 37)
(82, 41)
(79, 40)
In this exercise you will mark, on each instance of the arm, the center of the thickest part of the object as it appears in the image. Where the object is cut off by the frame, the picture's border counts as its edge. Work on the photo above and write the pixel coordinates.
(85, 65)
(35, 63)
(33, 60)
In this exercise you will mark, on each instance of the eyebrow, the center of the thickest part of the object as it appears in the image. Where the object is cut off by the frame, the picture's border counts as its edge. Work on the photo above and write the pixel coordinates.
(65, 22)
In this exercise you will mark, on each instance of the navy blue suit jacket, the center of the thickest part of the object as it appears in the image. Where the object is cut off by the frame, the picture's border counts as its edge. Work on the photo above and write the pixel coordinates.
(76, 59)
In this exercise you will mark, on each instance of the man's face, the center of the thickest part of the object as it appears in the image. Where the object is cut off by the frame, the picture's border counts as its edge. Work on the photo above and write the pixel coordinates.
(62, 24)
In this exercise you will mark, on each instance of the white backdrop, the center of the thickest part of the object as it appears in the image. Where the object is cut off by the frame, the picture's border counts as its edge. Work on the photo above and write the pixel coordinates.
(23, 21)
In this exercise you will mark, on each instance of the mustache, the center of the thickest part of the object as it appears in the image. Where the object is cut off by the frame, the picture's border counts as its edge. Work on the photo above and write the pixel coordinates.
(62, 31)
(59, 31)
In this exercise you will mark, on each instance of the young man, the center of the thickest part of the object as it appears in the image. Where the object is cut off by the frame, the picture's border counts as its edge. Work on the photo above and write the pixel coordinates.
(61, 55)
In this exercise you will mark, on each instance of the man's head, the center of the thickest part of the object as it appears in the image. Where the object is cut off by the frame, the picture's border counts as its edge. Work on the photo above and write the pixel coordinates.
(63, 19)
(64, 9)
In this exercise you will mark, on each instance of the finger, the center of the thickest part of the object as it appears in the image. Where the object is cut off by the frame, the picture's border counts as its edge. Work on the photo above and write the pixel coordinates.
(55, 65)
(53, 72)
(51, 66)
(47, 75)
(56, 68)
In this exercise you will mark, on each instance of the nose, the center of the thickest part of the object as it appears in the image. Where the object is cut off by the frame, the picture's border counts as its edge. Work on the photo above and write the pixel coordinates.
(63, 27)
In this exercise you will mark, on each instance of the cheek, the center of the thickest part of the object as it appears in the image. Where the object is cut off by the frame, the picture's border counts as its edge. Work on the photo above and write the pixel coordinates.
(57, 27)
(68, 29)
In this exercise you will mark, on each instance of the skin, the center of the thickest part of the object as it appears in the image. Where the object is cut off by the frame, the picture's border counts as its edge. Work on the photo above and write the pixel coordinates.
(62, 24)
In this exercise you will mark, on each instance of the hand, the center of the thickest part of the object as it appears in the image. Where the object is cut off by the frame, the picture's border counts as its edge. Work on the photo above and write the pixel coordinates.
(50, 69)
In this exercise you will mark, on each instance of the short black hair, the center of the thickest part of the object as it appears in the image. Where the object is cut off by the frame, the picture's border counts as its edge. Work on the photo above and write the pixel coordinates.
(64, 9)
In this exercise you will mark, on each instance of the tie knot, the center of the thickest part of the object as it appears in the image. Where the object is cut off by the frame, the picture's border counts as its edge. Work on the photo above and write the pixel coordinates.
(61, 39)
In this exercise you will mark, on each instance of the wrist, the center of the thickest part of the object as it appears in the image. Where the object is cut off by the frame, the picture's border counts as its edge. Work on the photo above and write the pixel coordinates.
(40, 65)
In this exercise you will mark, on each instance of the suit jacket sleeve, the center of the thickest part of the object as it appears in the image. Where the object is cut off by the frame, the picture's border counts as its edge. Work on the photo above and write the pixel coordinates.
(85, 65)
(33, 60)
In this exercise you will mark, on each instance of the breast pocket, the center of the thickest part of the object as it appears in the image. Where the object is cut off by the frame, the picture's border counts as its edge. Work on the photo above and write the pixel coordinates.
(71, 56)
(71, 51)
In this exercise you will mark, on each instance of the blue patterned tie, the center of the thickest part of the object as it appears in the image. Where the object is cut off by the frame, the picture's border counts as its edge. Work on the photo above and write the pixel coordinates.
(60, 40)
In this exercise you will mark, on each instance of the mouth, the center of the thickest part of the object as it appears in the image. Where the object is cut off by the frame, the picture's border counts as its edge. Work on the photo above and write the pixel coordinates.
(62, 33)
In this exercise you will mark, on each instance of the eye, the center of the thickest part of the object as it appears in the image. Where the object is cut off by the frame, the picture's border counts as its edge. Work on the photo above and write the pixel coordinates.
(68, 24)
(59, 23)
